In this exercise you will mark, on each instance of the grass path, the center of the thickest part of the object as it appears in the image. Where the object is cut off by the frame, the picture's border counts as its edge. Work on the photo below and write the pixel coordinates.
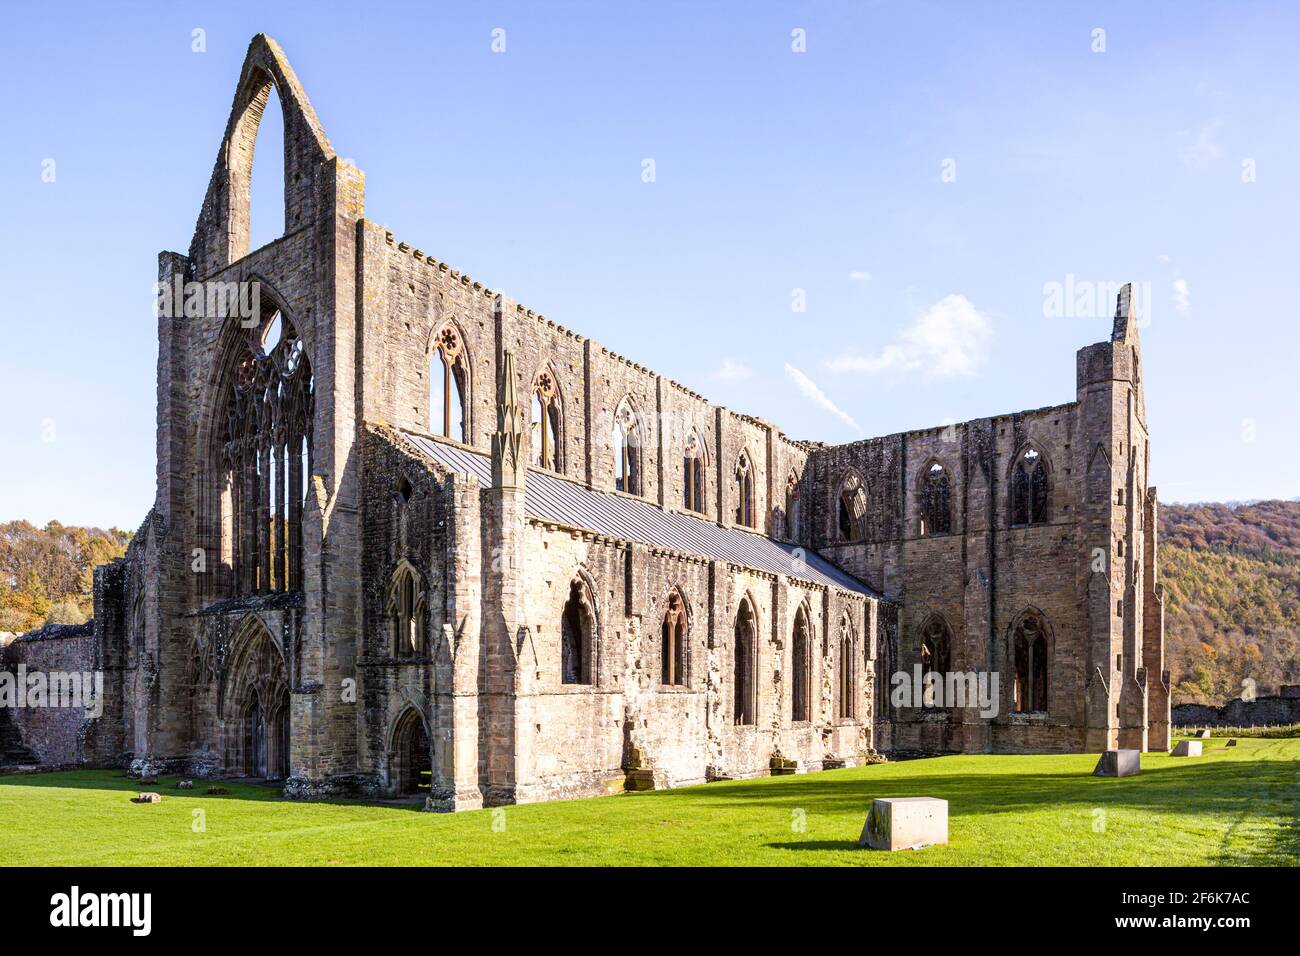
(1232, 806)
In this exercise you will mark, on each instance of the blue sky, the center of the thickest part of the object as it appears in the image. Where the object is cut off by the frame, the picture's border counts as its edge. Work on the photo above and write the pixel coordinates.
(915, 178)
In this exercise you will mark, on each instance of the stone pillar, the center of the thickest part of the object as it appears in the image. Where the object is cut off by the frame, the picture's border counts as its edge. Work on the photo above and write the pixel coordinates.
(503, 524)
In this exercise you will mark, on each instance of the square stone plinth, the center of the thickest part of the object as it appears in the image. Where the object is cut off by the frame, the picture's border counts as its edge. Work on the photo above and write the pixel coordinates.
(1204, 734)
(905, 823)
(1187, 748)
(1119, 763)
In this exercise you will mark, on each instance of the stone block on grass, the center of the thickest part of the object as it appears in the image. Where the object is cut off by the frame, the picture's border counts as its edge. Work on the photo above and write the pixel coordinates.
(1187, 748)
(149, 797)
(905, 823)
(1204, 734)
(1119, 763)
(1231, 743)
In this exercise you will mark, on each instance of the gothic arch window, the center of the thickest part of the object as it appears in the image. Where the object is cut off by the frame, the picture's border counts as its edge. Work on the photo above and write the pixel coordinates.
(265, 455)
(936, 651)
(546, 421)
(1029, 490)
(744, 491)
(694, 467)
(448, 385)
(936, 504)
(745, 653)
(672, 649)
(846, 669)
(852, 509)
(577, 635)
(792, 507)
(406, 611)
(801, 644)
(1029, 646)
(627, 449)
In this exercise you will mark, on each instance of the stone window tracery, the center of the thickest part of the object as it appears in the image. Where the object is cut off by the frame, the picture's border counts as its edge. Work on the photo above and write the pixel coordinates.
(448, 385)
(267, 457)
(693, 468)
(1030, 649)
(936, 506)
(546, 422)
(744, 492)
(852, 509)
(1029, 492)
(673, 642)
(407, 613)
(627, 449)
(801, 668)
(745, 650)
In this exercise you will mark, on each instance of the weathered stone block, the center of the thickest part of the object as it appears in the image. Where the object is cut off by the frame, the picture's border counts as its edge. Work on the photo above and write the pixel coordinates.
(1204, 734)
(905, 823)
(1187, 748)
(1119, 763)
(149, 797)
(1231, 743)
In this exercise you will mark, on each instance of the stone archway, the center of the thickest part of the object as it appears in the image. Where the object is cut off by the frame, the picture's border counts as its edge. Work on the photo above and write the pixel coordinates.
(256, 706)
(412, 755)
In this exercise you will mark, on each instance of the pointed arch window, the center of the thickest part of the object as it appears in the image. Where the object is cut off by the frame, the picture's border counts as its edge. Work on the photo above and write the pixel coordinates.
(577, 635)
(546, 422)
(852, 509)
(936, 505)
(448, 385)
(846, 667)
(265, 450)
(1030, 649)
(1029, 489)
(627, 449)
(744, 491)
(745, 650)
(792, 507)
(672, 649)
(407, 615)
(801, 667)
(936, 654)
(693, 468)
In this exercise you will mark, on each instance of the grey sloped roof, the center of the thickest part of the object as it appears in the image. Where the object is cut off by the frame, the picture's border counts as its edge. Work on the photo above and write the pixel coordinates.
(548, 497)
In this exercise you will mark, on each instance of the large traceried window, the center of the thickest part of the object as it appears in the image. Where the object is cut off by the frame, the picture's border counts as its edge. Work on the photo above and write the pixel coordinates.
(448, 385)
(936, 505)
(852, 509)
(801, 667)
(672, 649)
(745, 652)
(1029, 645)
(546, 422)
(693, 469)
(577, 635)
(266, 457)
(1029, 489)
(627, 449)
(744, 491)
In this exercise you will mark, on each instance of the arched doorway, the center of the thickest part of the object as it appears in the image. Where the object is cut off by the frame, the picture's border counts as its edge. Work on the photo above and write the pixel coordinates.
(412, 755)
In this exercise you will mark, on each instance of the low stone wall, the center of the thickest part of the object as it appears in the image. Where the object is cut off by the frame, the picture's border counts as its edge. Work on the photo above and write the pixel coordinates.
(1240, 713)
(53, 736)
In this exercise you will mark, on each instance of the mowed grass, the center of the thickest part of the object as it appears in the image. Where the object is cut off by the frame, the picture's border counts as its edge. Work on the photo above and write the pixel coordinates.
(1232, 806)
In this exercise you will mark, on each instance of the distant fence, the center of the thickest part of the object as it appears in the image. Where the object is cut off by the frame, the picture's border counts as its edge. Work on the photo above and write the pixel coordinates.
(1222, 730)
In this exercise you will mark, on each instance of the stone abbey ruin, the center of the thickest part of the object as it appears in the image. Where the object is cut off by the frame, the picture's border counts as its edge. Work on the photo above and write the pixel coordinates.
(412, 537)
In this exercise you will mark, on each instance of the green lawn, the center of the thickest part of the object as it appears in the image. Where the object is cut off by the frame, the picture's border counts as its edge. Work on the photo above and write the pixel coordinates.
(1232, 806)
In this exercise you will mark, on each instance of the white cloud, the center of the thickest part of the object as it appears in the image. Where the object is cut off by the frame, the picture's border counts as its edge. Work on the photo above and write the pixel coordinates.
(1205, 150)
(950, 338)
(814, 394)
(1162, 257)
(731, 371)
(1182, 296)
(859, 275)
